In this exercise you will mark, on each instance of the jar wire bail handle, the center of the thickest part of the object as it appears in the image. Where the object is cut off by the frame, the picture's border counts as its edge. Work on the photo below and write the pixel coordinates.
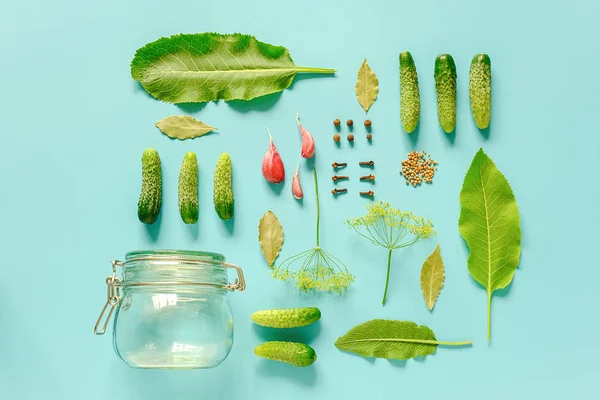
(113, 297)
(239, 283)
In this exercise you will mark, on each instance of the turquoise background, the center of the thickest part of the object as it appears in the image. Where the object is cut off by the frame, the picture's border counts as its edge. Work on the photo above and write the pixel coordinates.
(74, 124)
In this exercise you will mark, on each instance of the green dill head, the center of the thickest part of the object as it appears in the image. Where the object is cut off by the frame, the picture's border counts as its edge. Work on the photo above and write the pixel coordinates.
(315, 270)
(319, 271)
(391, 228)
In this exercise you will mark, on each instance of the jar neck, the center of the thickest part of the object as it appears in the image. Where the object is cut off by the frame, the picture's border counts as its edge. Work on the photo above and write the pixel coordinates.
(176, 268)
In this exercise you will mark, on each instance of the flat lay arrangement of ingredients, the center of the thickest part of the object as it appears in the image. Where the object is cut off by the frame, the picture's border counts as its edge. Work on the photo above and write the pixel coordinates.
(198, 332)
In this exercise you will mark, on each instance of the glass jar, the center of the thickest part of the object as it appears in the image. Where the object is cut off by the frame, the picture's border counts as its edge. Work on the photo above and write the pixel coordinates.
(170, 309)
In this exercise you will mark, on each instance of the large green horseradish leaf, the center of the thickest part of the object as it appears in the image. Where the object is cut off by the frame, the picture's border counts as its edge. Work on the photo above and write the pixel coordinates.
(204, 67)
(489, 223)
(384, 338)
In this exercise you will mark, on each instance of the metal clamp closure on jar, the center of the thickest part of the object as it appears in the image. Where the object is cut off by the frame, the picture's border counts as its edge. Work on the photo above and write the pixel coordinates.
(114, 285)
(113, 297)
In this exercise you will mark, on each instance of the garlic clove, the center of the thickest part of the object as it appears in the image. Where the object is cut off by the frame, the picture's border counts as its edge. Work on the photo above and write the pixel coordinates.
(272, 165)
(296, 187)
(308, 142)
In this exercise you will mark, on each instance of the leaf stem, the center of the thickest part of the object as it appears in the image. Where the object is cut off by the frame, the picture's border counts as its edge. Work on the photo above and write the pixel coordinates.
(418, 341)
(489, 321)
(463, 343)
(315, 70)
(387, 278)
(317, 197)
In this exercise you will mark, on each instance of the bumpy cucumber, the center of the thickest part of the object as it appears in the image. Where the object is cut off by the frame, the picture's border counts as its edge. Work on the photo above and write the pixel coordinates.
(287, 318)
(445, 86)
(297, 354)
(410, 103)
(480, 90)
(188, 189)
(223, 189)
(151, 194)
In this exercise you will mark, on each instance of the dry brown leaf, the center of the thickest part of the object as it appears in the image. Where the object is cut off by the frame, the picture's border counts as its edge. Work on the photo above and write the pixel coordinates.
(270, 236)
(367, 86)
(432, 277)
(183, 127)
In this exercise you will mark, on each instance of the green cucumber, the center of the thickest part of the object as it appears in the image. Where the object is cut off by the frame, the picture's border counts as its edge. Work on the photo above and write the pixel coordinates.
(410, 103)
(480, 90)
(223, 189)
(297, 354)
(445, 86)
(287, 318)
(151, 194)
(188, 189)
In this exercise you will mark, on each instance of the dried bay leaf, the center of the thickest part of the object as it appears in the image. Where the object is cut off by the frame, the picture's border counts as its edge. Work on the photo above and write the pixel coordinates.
(399, 340)
(270, 236)
(489, 222)
(432, 277)
(367, 86)
(203, 67)
(183, 127)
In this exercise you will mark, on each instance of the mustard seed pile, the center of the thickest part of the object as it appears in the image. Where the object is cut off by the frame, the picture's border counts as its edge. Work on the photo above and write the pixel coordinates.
(418, 168)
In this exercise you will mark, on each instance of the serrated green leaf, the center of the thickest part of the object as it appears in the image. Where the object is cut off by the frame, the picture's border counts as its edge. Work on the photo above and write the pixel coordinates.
(399, 340)
(206, 67)
(489, 223)
(270, 236)
(432, 277)
(367, 86)
(183, 127)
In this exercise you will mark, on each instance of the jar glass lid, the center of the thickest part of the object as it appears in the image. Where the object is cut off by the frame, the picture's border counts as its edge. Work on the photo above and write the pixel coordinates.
(174, 254)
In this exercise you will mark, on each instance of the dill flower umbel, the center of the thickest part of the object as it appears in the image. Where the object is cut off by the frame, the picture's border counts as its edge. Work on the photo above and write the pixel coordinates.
(391, 228)
(319, 270)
